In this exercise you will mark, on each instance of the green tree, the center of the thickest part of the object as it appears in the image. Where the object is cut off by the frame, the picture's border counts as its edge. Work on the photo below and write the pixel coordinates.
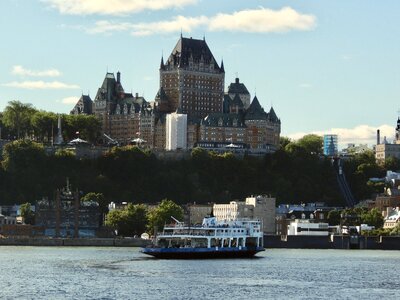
(4, 130)
(395, 230)
(88, 126)
(116, 220)
(311, 143)
(27, 214)
(392, 163)
(334, 217)
(26, 167)
(21, 155)
(131, 220)
(136, 218)
(372, 218)
(17, 116)
(99, 198)
(162, 214)
(284, 141)
(44, 125)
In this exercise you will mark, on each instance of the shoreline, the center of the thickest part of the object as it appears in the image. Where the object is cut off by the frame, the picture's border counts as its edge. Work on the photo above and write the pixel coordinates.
(68, 242)
(270, 242)
(332, 242)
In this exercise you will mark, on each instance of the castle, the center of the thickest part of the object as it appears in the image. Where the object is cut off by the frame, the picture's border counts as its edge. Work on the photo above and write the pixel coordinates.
(192, 92)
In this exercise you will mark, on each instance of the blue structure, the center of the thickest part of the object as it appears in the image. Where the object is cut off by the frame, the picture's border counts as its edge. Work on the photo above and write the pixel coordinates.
(330, 145)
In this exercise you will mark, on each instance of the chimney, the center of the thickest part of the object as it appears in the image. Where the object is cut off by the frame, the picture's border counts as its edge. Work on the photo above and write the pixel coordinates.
(136, 95)
(378, 137)
(236, 80)
(118, 77)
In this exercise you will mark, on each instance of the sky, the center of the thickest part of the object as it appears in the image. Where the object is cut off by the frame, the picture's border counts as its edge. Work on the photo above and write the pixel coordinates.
(324, 66)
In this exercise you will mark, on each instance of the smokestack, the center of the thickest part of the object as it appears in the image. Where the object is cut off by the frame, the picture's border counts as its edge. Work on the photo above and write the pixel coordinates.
(118, 77)
(378, 137)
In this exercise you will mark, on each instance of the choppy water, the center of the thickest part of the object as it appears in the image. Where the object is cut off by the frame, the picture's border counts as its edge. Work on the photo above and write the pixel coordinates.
(125, 273)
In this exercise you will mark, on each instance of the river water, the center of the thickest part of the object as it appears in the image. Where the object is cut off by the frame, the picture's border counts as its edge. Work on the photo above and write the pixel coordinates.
(125, 273)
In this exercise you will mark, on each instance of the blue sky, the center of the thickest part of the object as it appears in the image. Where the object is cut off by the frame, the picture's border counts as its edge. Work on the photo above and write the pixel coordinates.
(325, 66)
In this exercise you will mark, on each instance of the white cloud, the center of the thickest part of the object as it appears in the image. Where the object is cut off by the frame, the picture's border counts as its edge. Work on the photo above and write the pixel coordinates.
(21, 71)
(141, 29)
(113, 7)
(70, 100)
(260, 20)
(263, 20)
(361, 134)
(40, 85)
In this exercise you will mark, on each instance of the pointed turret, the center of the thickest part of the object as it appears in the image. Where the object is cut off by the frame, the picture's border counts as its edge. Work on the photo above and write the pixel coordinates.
(255, 111)
(222, 66)
(272, 115)
(162, 66)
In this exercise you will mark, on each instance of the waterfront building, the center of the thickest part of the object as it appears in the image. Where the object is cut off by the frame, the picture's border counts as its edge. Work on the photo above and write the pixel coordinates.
(385, 202)
(67, 216)
(305, 227)
(352, 149)
(384, 149)
(264, 209)
(7, 220)
(176, 131)
(313, 212)
(392, 218)
(195, 213)
(259, 207)
(330, 145)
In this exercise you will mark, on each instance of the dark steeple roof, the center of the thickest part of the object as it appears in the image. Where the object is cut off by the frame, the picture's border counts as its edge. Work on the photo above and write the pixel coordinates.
(255, 111)
(237, 101)
(237, 88)
(191, 49)
(272, 115)
(161, 95)
(162, 66)
(222, 66)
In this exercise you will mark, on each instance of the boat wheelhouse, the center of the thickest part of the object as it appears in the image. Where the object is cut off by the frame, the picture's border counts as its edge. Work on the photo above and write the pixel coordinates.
(213, 239)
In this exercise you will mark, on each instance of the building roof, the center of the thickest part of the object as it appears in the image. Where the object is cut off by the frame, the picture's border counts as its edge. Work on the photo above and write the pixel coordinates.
(83, 106)
(223, 120)
(237, 88)
(236, 101)
(161, 95)
(188, 49)
(255, 111)
(272, 116)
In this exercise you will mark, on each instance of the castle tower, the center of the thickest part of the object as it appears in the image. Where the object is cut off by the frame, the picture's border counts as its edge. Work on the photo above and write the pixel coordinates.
(192, 80)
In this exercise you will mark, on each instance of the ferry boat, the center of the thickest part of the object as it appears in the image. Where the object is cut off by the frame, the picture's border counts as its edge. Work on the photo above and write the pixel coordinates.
(213, 239)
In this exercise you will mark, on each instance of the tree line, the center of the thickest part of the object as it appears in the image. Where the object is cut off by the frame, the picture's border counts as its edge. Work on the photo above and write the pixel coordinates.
(293, 174)
(19, 120)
